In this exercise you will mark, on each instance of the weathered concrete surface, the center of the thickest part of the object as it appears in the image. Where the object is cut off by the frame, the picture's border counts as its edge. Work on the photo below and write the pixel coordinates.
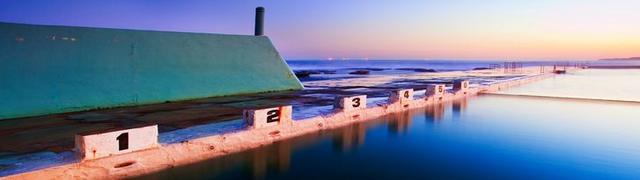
(54, 69)
(170, 155)
(56, 132)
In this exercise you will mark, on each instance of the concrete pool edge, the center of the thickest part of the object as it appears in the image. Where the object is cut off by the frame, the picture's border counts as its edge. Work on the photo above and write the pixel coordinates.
(187, 152)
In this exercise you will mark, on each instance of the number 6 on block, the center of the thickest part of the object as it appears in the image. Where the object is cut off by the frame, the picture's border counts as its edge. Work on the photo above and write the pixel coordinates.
(260, 118)
(350, 103)
(94, 145)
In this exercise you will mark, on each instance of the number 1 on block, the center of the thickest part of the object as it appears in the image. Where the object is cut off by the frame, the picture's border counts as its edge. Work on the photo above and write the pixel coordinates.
(94, 145)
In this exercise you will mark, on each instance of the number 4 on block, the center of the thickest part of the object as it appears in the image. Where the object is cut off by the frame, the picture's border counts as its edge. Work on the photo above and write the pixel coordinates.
(402, 96)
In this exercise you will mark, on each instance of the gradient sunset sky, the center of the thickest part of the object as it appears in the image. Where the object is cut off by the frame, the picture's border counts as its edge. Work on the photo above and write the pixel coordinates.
(375, 29)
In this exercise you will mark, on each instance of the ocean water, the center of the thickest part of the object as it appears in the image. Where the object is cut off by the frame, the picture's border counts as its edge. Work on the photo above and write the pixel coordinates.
(442, 65)
(484, 137)
(387, 64)
(338, 69)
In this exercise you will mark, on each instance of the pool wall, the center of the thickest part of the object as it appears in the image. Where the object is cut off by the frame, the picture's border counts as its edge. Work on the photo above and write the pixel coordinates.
(55, 69)
(199, 149)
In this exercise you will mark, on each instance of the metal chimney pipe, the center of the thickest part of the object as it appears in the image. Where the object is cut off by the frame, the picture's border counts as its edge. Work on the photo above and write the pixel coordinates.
(259, 30)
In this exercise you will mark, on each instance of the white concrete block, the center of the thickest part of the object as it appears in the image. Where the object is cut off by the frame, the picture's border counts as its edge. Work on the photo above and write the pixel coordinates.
(403, 96)
(435, 93)
(350, 103)
(436, 90)
(93, 145)
(260, 118)
(460, 86)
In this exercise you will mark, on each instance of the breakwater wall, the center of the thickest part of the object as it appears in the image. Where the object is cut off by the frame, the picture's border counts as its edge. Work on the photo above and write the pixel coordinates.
(169, 155)
(55, 69)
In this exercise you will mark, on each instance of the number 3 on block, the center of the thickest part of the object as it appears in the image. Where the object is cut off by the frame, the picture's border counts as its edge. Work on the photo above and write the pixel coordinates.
(356, 102)
(349, 103)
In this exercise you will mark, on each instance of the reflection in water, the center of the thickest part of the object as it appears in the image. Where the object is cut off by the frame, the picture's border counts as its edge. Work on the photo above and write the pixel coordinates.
(399, 122)
(259, 164)
(344, 139)
(279, 153)
(434, 112)
(284, 155)
(495, 137)
(458, 107)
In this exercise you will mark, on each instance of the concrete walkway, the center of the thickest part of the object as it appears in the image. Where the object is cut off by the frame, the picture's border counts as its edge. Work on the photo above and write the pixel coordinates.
(56, 132)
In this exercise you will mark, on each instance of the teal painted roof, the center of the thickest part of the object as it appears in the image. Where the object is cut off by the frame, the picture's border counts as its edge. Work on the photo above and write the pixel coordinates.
(54, 69)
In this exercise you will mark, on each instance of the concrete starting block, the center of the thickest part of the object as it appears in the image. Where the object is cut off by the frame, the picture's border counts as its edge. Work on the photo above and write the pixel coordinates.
(435, 93)
(94, 145)
(403, 96)
(350, 103)
(436, 90)
(260, 118)
(460, 86)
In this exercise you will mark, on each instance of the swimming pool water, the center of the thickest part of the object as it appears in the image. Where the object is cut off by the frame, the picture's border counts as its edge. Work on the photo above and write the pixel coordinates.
(484, 137)
(605, 84)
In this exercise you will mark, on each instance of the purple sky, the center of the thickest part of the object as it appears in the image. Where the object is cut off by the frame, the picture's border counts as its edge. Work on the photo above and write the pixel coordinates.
(375, 29)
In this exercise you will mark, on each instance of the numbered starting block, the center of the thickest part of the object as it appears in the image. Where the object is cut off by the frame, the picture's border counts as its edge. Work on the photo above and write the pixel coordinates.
(260, 118)
(435, 92)
(350, 103)
(460, 86)
(94, 145)
(403, 96)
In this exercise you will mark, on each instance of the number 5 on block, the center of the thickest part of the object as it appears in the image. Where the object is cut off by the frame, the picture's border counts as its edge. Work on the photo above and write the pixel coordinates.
(94, 145)
(260, 118)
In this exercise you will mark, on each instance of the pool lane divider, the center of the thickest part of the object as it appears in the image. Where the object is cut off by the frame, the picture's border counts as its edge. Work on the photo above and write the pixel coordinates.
(144, 155)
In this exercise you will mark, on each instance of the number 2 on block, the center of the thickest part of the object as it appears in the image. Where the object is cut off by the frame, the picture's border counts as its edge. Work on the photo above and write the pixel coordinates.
(273, 115)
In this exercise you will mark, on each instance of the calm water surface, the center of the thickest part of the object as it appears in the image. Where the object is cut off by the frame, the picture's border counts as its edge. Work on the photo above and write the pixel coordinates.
(490, 136)
(606, 84)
